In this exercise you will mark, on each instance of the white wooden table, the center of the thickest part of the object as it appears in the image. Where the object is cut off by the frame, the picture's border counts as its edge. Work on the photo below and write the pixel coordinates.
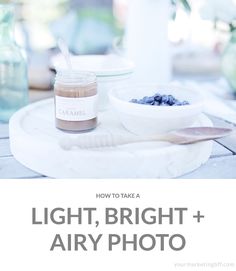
(222, 163)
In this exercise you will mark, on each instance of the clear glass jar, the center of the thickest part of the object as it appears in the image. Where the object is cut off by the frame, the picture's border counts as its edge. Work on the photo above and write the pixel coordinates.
(13, 67)
(228, 63)
(76, 101)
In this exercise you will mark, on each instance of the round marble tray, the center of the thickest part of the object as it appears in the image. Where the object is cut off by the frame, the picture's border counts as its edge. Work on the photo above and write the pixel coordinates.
(34, 143)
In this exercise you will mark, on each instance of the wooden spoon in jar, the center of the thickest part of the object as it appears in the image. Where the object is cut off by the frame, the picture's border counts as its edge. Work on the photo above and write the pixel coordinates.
(179, 137)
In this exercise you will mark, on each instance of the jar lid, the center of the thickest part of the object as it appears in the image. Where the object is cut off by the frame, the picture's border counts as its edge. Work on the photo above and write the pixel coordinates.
(78, 78)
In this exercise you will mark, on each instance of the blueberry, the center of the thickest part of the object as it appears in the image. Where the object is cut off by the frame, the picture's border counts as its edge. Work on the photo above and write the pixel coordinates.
(157, 97)
(160, 100)
(150, 100)
(178, 103)
(165, 99)
(171, 100)
(142, 102)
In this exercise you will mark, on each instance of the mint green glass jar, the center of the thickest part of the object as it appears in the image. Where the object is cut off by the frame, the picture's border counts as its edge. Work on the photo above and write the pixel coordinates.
(229, 62)
(13, 67)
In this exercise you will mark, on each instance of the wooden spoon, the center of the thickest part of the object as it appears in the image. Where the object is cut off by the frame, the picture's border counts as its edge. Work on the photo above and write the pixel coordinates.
(180, 137)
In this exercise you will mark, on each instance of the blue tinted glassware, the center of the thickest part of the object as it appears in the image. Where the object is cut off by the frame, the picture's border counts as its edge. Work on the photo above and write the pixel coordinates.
(13, 67)
(229, 62)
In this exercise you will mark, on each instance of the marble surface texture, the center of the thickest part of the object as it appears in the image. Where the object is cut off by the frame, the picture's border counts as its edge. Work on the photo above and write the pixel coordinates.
(34, 142)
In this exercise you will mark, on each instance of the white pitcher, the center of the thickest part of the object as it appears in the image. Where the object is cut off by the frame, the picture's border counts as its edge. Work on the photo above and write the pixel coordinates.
(147, 40)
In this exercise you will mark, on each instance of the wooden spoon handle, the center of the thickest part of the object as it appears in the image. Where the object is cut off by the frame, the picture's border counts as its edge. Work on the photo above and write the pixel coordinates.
(99, 140)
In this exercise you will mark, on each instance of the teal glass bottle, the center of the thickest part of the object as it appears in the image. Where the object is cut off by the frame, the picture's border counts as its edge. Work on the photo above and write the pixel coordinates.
(13, 67)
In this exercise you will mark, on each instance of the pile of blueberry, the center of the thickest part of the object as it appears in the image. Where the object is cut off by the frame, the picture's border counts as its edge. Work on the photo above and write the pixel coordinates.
(160, 100)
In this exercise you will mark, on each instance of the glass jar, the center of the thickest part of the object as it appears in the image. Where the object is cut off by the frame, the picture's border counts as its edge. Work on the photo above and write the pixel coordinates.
(76, 101)
(228, 63)
(13, 67)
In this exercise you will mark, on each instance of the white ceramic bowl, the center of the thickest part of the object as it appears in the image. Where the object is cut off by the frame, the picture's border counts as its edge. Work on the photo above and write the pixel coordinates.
(146, 119)
(111, 71)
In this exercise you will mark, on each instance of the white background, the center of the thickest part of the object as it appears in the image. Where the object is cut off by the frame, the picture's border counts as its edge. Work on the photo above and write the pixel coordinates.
(26, 247)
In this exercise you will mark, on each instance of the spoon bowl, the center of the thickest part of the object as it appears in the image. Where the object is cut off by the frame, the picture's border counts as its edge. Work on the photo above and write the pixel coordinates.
(196, 134)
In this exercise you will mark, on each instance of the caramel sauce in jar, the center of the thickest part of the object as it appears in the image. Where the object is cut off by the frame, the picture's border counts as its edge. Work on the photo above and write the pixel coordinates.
(76, 101)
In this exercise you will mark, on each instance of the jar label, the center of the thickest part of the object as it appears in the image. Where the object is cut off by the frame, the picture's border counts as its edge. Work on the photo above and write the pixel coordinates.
(76, 109)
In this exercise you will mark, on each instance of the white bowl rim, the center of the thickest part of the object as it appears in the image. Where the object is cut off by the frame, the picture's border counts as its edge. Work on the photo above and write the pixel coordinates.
(144, 107)
(128, 68)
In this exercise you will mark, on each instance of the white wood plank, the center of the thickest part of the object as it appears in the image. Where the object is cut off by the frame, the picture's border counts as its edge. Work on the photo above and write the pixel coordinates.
(10, 169)
(4, 130)
(5, 148)
(216, 168)
(219, 150)
(230, 141)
